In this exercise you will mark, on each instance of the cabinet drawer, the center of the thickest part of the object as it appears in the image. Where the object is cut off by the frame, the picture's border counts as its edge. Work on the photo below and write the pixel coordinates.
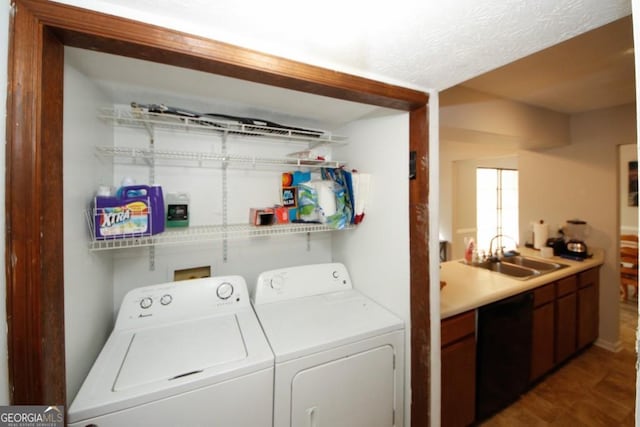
(457, 327)
(566, 286)
(543, 295)
(589, 277)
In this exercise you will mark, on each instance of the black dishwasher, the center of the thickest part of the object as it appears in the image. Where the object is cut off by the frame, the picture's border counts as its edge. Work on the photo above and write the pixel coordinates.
(503, 353)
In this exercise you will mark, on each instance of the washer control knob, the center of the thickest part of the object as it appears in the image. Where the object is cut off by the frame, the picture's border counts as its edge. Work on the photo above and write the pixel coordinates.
(276, 283)
(166, 299)
(225, 290)
(146, 302)
(335, 274)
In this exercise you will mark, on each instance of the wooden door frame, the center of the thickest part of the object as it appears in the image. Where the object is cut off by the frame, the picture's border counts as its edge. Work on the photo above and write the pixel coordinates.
(34, 233)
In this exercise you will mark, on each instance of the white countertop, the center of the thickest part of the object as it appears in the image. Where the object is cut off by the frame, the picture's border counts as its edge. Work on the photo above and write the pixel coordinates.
(469, 287)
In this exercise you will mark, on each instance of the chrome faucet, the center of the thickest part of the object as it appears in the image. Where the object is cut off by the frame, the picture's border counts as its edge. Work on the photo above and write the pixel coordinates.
(499, 253)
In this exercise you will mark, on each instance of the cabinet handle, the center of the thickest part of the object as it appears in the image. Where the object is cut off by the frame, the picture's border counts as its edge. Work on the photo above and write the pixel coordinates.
(313, 416)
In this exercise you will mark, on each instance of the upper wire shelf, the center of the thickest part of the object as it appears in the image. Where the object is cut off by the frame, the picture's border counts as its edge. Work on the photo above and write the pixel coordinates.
(203, 159)
(150, 120)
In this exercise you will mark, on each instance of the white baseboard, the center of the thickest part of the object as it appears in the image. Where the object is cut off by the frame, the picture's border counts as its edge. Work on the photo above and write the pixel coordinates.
(608, 345)
(624, 229)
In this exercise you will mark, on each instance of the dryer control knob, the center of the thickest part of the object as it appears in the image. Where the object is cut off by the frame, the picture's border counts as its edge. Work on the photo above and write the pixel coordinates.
(276, 283)
(335, 274)
(146, 302)
(225, 290)
(166, 299)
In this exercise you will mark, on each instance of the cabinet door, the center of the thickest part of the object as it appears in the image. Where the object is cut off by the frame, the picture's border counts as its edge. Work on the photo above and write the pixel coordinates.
(588, 306)
(565, 337)
(542, 346)
(587, 315)
(459, 383)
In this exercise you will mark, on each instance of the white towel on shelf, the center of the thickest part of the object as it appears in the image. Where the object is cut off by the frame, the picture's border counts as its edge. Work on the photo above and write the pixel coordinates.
(361, 188)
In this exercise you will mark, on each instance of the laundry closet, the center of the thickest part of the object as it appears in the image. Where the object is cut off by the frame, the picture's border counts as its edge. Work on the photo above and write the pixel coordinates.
(98, 86)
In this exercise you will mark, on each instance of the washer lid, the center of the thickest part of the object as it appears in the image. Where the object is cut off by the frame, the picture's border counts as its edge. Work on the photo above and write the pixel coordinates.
(179, 350)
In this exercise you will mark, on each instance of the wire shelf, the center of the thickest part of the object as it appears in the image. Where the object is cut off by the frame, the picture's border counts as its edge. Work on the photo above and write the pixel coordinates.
(207, 233)
(148, 120)
(213, 159)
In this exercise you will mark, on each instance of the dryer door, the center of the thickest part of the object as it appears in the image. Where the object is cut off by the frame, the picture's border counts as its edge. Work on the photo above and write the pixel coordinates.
(355, 391)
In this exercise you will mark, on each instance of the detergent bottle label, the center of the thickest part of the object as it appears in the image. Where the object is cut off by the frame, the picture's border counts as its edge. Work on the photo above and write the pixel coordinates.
(131, 218)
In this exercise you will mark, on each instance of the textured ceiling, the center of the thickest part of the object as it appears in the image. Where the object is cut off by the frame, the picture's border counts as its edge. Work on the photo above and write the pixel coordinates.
(424, 44)
(591, 71)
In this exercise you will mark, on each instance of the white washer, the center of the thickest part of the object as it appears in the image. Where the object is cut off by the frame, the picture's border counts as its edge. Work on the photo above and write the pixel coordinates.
(339, 356)
(188, 353)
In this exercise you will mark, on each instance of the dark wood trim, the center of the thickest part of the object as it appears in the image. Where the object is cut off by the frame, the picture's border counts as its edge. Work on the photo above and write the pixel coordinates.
(419, 236)
(34, 249)
(52, 238)
(35, 291)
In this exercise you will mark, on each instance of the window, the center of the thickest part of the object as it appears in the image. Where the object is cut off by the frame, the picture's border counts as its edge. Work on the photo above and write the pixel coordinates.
(496, 207)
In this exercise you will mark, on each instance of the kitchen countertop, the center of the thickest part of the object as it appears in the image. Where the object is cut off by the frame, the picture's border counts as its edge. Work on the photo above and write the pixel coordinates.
(470, 287)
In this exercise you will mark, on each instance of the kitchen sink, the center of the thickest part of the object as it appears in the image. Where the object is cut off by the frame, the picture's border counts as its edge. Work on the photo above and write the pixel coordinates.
(536, 264)
(513, 270)
(520, 267)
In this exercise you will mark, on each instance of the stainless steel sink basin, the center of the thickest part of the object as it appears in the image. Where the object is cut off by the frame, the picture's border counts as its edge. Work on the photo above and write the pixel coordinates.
(508, 269)
(536, 264)
(520, 267)
(513, 270)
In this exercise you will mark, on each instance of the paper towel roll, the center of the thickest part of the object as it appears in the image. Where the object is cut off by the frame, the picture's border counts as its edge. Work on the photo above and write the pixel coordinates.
(540, 235)
(326, 197)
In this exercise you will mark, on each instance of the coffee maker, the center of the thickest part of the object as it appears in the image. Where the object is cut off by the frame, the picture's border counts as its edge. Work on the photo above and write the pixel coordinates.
(575, 231)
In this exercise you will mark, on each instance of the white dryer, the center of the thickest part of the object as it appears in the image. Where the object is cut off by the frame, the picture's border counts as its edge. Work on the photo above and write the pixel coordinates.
(339, 356)
(188, 353)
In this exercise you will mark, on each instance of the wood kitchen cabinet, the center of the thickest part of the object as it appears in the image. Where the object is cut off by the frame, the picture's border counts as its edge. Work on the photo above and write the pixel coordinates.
(543, 331)
(566, 318)
(458, 370)
(588, 307)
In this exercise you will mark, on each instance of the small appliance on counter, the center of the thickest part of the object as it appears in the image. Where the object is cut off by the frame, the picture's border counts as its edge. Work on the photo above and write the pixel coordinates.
(558, 244)
(572, 243)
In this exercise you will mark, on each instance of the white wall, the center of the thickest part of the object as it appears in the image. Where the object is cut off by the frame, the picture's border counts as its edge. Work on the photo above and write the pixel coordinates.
(581, 181)
(379, 146)
(87, 276)
(377, 252)
(4, 39)
(473, 116)
(628, 214)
